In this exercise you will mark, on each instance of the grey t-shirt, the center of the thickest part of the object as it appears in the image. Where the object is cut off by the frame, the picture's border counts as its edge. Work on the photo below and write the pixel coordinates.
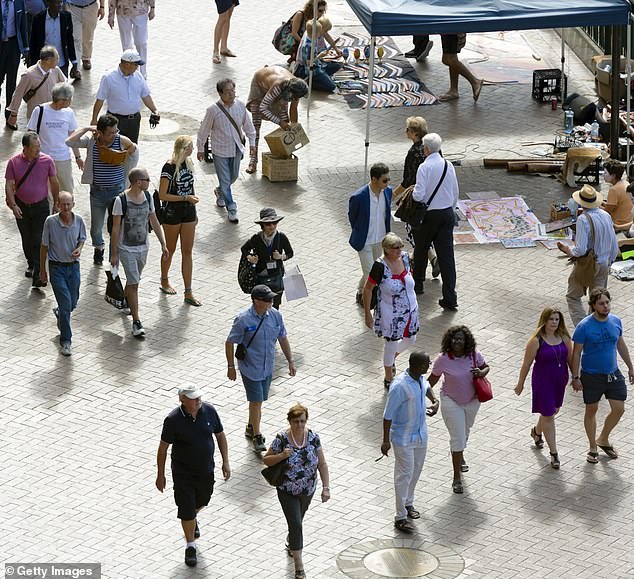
(61, 239)
(134, 234)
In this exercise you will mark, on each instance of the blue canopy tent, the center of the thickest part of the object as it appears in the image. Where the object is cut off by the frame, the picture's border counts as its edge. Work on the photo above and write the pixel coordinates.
(409, 17)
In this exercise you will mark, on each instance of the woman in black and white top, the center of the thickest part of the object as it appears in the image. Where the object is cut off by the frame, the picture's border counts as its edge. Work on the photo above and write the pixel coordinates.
(179, 214)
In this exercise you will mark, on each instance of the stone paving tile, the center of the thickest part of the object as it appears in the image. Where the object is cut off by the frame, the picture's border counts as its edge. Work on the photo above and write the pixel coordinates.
(80, 434)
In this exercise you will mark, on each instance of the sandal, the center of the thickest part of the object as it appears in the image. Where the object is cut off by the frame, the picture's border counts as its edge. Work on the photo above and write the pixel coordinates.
(166, 288)
(539, 441)
(554, 460)
(191, 300)
(609, 450)
(386, 383)
(592, 457)
(216, 59)
(404, 525)
(300, 574)
(412, 513)
(228, 53)
(253, 165)
(457, 487)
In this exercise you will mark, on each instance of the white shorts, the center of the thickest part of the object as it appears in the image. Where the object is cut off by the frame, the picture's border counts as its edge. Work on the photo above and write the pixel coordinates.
(133, 263)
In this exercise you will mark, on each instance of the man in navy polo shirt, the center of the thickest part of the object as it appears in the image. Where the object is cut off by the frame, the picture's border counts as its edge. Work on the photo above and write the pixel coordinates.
(189, 428)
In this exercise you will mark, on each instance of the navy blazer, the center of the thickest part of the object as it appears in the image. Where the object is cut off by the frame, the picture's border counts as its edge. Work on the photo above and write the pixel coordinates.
(359, 215)
(38, 34)
(20, 25)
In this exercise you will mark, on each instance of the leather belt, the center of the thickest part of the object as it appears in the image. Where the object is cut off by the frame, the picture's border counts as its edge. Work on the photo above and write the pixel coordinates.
(134, 116)
(77, 5)
(62, 263)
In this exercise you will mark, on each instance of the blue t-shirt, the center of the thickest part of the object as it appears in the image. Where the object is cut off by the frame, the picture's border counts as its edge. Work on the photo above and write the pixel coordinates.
(599, 344)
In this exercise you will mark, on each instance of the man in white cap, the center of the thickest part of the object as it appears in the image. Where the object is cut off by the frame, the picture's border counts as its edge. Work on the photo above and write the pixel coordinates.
(594, 232)
(189, 429)
(125, 88)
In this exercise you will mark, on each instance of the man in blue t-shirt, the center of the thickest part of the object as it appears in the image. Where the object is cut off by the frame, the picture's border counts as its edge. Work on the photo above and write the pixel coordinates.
(600, 336)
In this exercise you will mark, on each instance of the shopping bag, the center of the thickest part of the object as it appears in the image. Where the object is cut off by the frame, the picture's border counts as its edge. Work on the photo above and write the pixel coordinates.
(294, 284)
(114, 289)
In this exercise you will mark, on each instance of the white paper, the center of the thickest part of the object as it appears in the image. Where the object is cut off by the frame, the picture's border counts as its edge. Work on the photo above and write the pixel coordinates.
(294, 284)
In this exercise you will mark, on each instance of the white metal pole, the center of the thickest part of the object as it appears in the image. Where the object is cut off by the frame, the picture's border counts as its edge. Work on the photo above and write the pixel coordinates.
(628, 71)
(312, 56)
(369, 104)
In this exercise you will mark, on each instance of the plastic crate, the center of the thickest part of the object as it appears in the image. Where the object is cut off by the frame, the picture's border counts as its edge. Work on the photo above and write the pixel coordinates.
(547, 85)
(591, 175)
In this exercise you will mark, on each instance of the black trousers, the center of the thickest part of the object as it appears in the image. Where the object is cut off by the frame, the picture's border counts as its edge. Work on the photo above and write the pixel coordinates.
(31, 226)
(294, 508)
(9, 64)
(437, 228)
(420, 42)
(129, 125)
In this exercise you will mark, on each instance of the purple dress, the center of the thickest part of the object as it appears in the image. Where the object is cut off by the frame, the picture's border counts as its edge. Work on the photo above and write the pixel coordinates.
(550, 377)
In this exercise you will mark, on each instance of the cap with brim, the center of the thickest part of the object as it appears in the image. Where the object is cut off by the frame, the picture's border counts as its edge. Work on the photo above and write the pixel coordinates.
(263, 292)
(191, 393)
(588, 197)
(132, 56)
(269, 215)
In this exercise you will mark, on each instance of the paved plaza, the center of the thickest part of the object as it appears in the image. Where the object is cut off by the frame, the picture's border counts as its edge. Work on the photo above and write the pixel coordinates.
(78, 435)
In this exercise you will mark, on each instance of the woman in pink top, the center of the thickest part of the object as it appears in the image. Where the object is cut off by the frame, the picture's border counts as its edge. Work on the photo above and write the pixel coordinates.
(458, 363)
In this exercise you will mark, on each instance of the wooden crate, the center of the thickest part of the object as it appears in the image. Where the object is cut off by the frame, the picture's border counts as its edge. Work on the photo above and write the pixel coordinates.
(276, 169)
(559, 211)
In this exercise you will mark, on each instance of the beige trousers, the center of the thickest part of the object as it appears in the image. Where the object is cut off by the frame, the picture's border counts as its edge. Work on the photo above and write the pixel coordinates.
(84, 24)
(576, 291)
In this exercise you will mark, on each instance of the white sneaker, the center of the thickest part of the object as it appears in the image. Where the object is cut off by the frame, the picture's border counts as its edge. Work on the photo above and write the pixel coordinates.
(220, 200)
(137, 329)
(65, 349)
(233, 216)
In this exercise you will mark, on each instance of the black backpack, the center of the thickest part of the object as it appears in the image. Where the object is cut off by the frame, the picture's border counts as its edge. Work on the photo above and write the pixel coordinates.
(124, 207)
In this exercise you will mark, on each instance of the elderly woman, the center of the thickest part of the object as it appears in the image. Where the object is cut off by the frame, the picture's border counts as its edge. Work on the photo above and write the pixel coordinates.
(302, 449)
(274, 90)
(268, 250)
(396, 312)
(619, 200)
(458, 364)
(550, 347)
(176, 189)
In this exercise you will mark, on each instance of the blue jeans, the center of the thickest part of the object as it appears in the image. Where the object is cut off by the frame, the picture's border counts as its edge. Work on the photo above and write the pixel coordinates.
(227, 171)
(100, 199)
(322, 76)
(65, 280)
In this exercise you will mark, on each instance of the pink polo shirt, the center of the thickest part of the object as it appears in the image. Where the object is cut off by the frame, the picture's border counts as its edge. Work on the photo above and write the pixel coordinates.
(457, 377)
(35, 187)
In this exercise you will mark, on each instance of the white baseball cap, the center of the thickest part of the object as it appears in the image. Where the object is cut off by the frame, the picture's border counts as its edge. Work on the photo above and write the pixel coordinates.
(190, 392)
(132, 56)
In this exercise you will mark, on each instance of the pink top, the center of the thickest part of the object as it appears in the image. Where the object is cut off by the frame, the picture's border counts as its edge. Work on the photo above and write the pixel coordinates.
(458, 379)
(35, 186)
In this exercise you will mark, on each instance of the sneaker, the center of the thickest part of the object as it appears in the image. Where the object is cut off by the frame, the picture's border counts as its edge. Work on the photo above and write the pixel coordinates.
(248, 431)
(190, 557)
(38, 283)
(435, 267)
(220, 200)
(126, 311)
(233, 216)
(446, 306)
(196, 531)
(97, 256)
(56, 314)
(423, 55)
(29, 271)
(137, 329)
(258, 443)
(65, 349)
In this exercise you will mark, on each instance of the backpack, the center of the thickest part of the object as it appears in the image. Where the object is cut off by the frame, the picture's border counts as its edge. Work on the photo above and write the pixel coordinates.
(124, 207)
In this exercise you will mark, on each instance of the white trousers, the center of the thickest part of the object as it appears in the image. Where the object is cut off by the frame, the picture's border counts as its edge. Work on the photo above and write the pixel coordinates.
(84, 24)
(459, 419)
(392, 348)
(65, 175)
(367, 256)
(133, 31)
(408, 464)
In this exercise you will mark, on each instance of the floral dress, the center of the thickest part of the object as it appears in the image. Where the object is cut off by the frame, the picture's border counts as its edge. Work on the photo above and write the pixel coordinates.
(301, 474)
(396, 313)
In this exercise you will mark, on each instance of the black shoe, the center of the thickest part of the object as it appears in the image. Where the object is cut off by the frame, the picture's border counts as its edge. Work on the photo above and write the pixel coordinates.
(190, 557)
(419, 288)
(29, 271)
(411, 54)
(38, 283)
(425, 53)
(359, 299)
(258, 443)
(445, 306)
(435, 268)
(97, 256)
(196, 531)
(10, 126)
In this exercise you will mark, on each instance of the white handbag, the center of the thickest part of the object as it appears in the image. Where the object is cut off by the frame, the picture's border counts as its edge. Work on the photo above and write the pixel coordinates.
(294, 284)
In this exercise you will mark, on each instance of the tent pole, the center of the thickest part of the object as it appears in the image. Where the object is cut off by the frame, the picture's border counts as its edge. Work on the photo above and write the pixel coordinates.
(563, 62)
(616, 89)
(368, 106)
(628, 69)
(312, 57)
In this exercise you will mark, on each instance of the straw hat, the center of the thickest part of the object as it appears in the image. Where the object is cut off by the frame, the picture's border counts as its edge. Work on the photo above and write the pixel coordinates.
(588, 197)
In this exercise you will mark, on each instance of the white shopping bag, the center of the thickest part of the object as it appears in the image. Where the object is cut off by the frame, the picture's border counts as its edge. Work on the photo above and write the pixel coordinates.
(294, 284)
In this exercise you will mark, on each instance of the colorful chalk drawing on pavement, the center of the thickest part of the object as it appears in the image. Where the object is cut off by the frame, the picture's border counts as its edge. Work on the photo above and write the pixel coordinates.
(503, 218)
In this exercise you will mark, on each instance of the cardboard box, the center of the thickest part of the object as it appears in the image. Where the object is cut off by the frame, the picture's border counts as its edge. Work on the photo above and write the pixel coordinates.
(284, 143)
(603, 76)
(276, 169)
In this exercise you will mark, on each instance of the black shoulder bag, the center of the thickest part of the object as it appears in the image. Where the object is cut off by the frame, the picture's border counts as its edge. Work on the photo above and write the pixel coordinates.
(241, 349)
(414, 212)
(274, 475)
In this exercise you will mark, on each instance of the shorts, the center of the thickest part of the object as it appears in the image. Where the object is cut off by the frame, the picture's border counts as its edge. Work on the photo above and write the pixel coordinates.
(133, 263)
(612, 386)
(257, 390)
(223, 5)
(192, 492)
(177, 213)
(453, 43)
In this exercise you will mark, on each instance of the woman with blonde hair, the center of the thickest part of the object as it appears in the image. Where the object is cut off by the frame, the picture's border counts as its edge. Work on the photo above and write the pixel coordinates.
(550, 347)
(176, 191)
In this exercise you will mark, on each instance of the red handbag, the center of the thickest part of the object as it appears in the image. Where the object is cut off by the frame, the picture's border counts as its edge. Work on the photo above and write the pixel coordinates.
(484, 392)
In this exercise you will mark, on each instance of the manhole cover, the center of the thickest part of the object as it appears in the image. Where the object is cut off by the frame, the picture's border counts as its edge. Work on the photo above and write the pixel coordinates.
(171, 126)
(400, 563)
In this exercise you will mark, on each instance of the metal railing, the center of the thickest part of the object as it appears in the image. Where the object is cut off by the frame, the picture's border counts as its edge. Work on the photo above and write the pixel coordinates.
(602, 36)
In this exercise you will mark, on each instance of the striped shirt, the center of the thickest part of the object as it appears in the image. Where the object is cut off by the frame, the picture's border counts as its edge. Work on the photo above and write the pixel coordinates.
(224, 137)
(605, 245)
(105, 175)
(406, 407)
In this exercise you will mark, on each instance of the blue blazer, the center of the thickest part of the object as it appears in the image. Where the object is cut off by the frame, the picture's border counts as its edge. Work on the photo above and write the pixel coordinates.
(20, 25)
(359, 215)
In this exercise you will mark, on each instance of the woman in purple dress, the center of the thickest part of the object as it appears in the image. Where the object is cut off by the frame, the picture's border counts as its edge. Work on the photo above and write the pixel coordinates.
(550, 347)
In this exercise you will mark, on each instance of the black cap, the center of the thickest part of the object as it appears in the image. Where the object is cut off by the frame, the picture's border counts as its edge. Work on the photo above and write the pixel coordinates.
(262, 292)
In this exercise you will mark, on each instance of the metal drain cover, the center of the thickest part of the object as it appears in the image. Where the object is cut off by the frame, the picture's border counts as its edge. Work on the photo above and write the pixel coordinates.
(400, 562)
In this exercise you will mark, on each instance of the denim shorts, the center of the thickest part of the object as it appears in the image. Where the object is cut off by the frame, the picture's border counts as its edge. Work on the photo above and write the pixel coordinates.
(612, 386)
(257, 390)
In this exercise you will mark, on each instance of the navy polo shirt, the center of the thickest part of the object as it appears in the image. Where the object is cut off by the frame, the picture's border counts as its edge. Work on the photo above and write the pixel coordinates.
(192, 439)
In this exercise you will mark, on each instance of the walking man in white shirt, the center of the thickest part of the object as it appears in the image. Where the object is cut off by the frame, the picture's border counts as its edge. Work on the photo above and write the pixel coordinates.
(435, 174)
(225, 121)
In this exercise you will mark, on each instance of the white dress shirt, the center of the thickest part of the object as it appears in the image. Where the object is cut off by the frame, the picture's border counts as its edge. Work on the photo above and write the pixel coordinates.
(123, 93)
(376, 227)
(427, 177)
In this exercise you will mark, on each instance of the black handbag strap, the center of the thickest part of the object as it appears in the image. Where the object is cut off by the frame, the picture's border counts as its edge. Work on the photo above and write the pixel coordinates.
(232, 121)
(256, 331)
(442, 178)
(39, 119)
(23, 179)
